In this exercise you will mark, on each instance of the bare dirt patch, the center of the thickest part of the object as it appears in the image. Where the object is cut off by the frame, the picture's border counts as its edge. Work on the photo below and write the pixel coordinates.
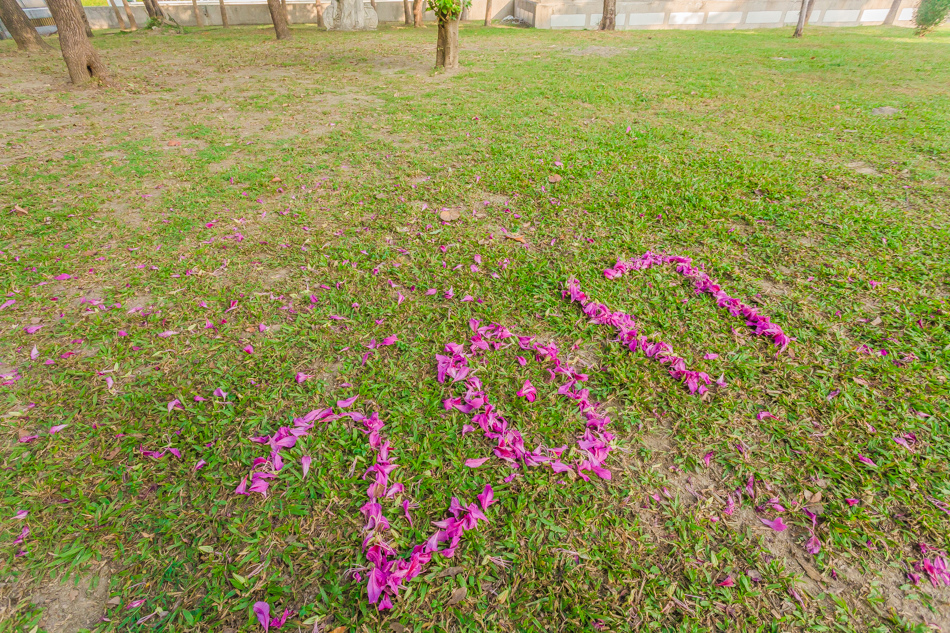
(72, 604)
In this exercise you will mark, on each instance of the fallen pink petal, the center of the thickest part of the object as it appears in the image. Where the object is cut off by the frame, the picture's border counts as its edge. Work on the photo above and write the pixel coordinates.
(776, 524)
(528, 392)
(475, 463)
(343, 404)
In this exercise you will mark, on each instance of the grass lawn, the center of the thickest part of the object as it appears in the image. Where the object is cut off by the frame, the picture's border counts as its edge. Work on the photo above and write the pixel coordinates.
(253, 216)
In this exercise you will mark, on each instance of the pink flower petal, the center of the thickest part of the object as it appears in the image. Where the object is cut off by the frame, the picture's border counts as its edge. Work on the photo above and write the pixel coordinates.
(528, 391)
(475, 463)
(777, 524)
(343, 404)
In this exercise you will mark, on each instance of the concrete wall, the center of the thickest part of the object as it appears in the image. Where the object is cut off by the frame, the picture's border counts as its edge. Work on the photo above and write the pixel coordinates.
(712, 14)
(250, 12)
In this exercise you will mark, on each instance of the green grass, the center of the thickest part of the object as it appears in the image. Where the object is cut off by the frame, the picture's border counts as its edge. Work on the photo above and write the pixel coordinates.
(740, 149)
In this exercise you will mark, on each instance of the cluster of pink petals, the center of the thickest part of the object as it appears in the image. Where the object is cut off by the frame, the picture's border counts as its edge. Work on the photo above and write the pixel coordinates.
(387, 575)
(266, 468)
(510, 444)
(160, 453)
(813, 545)
(703, 283)
(598, 313)
(262, 611)
(936, 569)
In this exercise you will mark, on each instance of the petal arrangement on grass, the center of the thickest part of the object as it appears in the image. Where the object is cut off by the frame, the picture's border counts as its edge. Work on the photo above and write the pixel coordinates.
(703, 283)
(628, 335)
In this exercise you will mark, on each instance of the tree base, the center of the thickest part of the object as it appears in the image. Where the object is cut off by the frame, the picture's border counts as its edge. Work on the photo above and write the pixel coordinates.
(447, 47)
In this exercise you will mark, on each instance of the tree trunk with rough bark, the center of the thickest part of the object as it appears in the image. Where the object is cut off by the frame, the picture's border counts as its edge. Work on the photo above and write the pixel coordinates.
(608, 21)
(84, 18)
(283, 7)
(16, 21)
(447, 46)
(128, 13)
(279, 17)
(406, 12)
(892, 14)
(81, 59)
(194, 8)
(224, 14)
(418, 10)
(488, 13)
(320, 21)
(118, 16)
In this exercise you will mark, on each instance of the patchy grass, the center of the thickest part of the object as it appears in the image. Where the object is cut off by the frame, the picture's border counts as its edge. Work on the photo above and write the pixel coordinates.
(303, 179)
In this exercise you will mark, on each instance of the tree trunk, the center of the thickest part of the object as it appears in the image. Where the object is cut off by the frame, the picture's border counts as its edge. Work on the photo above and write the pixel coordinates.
(194, 7)
(373, 4)
(84, 18)
(81, 59)
(803, 14)
(447, 46)
(418, 11)
(279, 18)
(488, 13)
(224, 14)
(320, 21)
(118, 16)
(608, 22)
(406, 12)
(283, 8)
(811, 7)
(26, 37)
(464, 15)
(892, 14)
(128, 13)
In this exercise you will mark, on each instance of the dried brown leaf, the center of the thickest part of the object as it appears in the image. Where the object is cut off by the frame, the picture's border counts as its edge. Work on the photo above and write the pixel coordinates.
(450, 571)
(458, 595)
